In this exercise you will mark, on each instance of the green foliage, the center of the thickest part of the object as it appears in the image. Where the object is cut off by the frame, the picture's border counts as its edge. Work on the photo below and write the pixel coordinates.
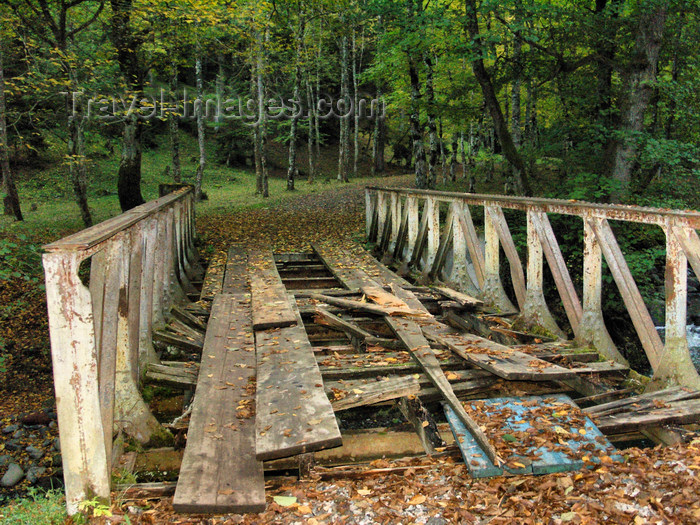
(45, 508)
(20, 259)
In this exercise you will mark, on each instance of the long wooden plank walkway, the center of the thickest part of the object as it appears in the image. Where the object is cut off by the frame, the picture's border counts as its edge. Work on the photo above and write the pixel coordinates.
(219, 471)
(294, 415)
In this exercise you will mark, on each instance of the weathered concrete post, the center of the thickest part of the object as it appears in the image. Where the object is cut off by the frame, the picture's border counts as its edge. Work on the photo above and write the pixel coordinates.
(493, 292)
(675, 365)
(76, 381)
(459, 276)
(535, 312)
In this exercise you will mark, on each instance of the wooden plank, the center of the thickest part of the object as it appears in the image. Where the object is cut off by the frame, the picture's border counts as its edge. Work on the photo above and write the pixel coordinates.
(423, 423)
(294, 415)
(219, 471)
(463, 299)
(366, 307)
(214, 277)
(271, 304)
(601, 367)
(477, 463)
(643, 401)
(188, 318)
(185, 343)
(371, 392)
(178, 376)
(410, 334)
(677, 412)
(236, 274)
(497, 359)
(345, 261)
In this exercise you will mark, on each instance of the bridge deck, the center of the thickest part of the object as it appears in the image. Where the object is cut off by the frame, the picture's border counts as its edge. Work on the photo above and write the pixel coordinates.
(345, 349)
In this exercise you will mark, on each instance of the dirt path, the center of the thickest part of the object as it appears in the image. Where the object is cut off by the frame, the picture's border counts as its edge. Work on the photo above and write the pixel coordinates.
(294, 224)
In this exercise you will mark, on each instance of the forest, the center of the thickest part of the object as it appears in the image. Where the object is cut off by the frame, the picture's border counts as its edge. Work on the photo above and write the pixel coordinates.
(595, 100)
(278, 112)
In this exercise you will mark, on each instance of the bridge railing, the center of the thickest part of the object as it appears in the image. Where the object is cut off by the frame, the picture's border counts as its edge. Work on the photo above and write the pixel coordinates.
(107, 287)
(408, 228)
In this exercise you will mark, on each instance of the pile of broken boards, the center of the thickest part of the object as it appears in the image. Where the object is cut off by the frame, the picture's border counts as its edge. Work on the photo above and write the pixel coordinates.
(295, 340)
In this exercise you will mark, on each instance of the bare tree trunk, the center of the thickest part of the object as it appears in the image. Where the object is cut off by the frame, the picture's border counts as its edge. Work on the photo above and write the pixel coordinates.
(416, 131)
(174, 129)
(379, 138)
(127, 46)
(310, 143)
(344, 145)
(199, 112)
(256, 124)
(432, 126)
(356, 65)
(262, 97)
(292, 168)
(11, 200)
(453, 159)
(517, 83)
(639, 88)
(76, 163)
(519, 172)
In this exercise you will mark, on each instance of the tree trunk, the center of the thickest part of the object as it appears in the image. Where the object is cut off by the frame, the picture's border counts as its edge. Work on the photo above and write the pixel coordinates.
(256, 125)
(292, 169)
(174, 129)
(262, 114)
(344, 144)
(605, 51)
(310, 143)
(639, 88)
(199, 112)
(432, 126)
(129, 177)
(416, 130)
(453, 159)
(11, 199)
(517, 82)
(127, 47)
(356, 95)
(76, 163)
(379, 138)
(520, 177)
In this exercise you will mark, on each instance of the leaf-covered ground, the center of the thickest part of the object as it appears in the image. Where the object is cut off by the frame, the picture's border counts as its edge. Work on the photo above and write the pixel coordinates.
(658, 485)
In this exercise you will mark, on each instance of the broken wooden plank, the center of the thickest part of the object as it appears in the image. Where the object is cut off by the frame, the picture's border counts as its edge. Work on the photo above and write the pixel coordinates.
(497, 359)
(191, 320)
(477, 463)
(271, 304)
(184, 343)
(601, 367)
(371, 392)
(177, 376)
(423, 423)
(344, 261)
(465, 300)
(294, 415)
(366, 307)
(219, 471)
(410, 334)
(677, 412)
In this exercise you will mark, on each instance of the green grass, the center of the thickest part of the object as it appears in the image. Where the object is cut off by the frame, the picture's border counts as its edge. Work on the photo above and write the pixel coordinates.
(39, 508)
